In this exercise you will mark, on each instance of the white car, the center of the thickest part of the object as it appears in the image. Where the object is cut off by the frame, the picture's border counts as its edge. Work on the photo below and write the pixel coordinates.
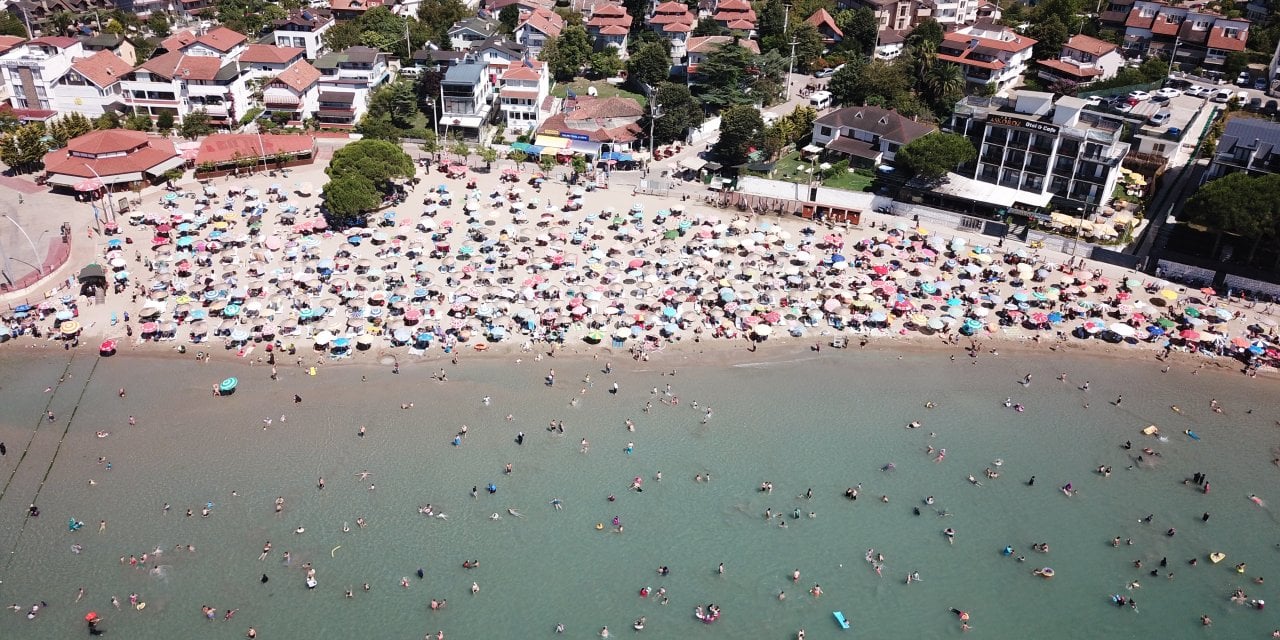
(1197, 91)
(1159, 119)
(1168, 92)
(1139, 95)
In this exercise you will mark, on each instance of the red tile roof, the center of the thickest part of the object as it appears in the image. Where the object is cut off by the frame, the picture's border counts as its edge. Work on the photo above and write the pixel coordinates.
(223, 147)
(614, 30)
(821, 17)
(961, 41)
(103, 68)
(543, 20)
(177, 64)
(1162, 26)
(300, 76)
(221, 39)
(142, 152)
(9, 42)
(1137, 21)
(271, 54)
(1090, 45)
(1066, 68)
(178, 40)
(733, 5)
(59, 42)
(1219, 40)
(354, 5)
(519, 70)
(985, 64)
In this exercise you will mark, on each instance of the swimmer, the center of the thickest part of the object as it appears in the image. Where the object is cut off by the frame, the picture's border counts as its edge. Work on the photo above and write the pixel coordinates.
(514, 512)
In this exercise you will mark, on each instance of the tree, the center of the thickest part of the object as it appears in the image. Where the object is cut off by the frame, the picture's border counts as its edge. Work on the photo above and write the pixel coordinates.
(724, 76)
(771, 26)
(437, 16)
(844, 83)
(740, 130)
(944, 87)
(606, 62)
(72, 125)
(1236, 61)
(108, 120)
(1237, 204)
(158, 24)
(378, 161)
(679, 112)
(249, 17)
(139, 122)
(860, 28)
(62, 22)
(709, 27)
(509, 16)
(809, 46)
(876, 82)
(517, 156)
(23, 149)
(164, 122)
(195, 124)
(12, 25)
(927, 31)
(430, 143)
(568, 53)
(395, 101)
(650, 64)
(372, 127)
(1050, 35)
(461, 149)
(930, 157)
(489, 155)
(347, 199)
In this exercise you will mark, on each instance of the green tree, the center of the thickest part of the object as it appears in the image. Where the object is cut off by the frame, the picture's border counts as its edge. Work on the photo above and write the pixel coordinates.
(569, 53)
(33, 140)
(930, 157)
(347, 199)
(809, 46)
(195, 124)
(678, 109)
(139, 122)
(12, 25)
(430, 143)
(740, 129)
(517, 156)
(158, 24)
(860, 28)
(164, 122)
(650, 64)
(709, 27)
(461, 149)
(489, 155)
(509, 16)
(62, 21)
(944, 87)
(1235, 62)
(108, 120)
(439, 15)
(378, 161)
(395, 101)
(249, 17)
(724, 76)
(373, 127)
(876, 82)
(1050, 35)
(72, 125)
(927, 31)
(1236, 204)
(606, 62)
(771, 26)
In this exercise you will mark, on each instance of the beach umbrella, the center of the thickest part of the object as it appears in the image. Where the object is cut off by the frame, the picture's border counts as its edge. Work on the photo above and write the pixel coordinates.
(1122, 330)
(1166, 323)
(1168, 294)
(1189, 334)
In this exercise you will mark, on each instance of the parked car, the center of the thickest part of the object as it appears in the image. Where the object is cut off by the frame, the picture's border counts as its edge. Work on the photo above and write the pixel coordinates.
(1159, 118)
(1159, 99)
(1198, 91)
(1094, 101)
(826, 72)
(1272, 107)
(1177, 83)
(1139, 95)
(1223, 95)
(1242, 97)
(1244, 79)
(1255, 104)
(1260, 84)
(1169, 92)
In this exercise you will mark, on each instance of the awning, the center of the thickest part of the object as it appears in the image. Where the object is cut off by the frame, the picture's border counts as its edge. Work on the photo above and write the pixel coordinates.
(551, 142)
(526, 148)
(693, 163)
(616, 156)
(852, 147)
(584, 147)
(280, 97)
(64, 180)
(171, 163)
(812, 148)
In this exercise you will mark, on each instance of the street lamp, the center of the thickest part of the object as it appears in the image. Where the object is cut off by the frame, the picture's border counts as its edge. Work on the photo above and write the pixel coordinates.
(30, 242)
(654, 113)
(110, 209)
(791, 67)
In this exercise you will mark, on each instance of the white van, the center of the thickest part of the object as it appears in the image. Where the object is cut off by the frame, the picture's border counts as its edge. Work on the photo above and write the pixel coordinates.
(1223, 95)
(820, 99)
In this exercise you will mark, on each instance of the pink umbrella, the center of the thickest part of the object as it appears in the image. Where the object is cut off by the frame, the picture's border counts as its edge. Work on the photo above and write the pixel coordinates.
(902, 305)
(89, 185)
(1189, 334)
(635, 263)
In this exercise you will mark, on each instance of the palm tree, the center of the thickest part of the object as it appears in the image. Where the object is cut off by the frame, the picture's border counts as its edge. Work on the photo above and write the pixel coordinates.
(923, 56)
(944, 80)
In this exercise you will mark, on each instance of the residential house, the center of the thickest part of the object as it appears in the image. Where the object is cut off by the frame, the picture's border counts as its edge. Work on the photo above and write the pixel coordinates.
(699, 47)
(1247, 144)
(469, 31)
(1042, 149)
(196, 8)
(220, 42)
(294, 92)
(144, 8)
(465, 91)
(948, 12)
(497, 53)
(352, 9)
(988, 12)
(38, 12)
(537, 28)
(493, 7)
(826, 25)
(609, 25)
(304, 29)
(31, 71)
(891, 15)
(267, 61)
(525, 96)
(735, 15)
(176, 41)
(1083, 61)
(92, 86)
(115, 43)
(593, 126)
(867, 135)
(346, 80)
(673, 20)
(178, 84)
(6, 44)
(890, 44)
(437, 59)
(989, 54)
(1115, 12)
(1191, 35)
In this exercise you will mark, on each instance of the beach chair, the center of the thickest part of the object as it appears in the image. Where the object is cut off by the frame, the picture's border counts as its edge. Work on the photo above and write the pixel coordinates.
(840, 620)
(114, 320)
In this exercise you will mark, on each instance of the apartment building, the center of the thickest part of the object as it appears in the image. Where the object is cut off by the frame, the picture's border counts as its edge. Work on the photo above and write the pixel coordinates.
(305, 30)
(990, 54)
(525, 95)
(1082, 61)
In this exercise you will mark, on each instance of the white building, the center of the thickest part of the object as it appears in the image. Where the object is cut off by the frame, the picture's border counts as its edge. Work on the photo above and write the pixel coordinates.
(295, 91)
(179, 84)
(525, 96)
(538, 28)
(92, 85)
(949, 12)
(989, 54)
(220, 42)
(304, 29)
(1083, 61)
(465, 93)
(867, 135)
(346, 80)
(32, 70)
(264, 60)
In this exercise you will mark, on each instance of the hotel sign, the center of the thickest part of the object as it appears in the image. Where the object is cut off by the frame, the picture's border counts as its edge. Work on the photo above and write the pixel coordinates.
(1006, 121)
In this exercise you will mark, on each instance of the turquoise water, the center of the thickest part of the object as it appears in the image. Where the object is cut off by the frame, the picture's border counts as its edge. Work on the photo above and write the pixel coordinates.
(825, 423)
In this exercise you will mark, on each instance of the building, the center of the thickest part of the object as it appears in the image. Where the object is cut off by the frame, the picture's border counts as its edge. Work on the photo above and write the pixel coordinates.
(465, 93)
(699, 47)
(346, 80)
(472, 30)
(117, 44)
(38, 12)
(295, 93)
(262, 60)
(31, 71)
(826, 25)
(525, 96)
(496, 6)
(227, 150)
(1083, 61)
(948, 12)
(111, 157)
(868, 136)
(1247, 144)
(891, 15)
(591, 126)
(989, 54)
(352, 9)
(304, 29)
(609, 26)
(92, 86)
(735, 15)
(220, 42)
(498, 53)
(1191, 35)
(537, 28)
(178, 84)
(673, 21)
(890, 44)
(1039, 151)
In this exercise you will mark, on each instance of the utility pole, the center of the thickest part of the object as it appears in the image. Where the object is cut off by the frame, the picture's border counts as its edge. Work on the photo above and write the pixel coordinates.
(408, 46)
(654, 114)
(1176, 42)
(791, 67)
(786, 18)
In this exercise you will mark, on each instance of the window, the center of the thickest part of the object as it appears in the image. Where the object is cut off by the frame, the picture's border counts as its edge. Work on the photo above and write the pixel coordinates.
(1230, 32)
(826, 131)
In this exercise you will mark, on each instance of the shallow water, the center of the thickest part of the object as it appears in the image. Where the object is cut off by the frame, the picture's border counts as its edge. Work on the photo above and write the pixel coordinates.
(825, 423)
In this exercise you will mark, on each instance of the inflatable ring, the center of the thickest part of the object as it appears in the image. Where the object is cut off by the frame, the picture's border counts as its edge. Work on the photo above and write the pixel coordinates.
(480, 346)
(599, 526)
(141, 606)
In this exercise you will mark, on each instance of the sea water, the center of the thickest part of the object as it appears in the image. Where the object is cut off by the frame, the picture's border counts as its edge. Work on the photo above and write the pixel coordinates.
(824, 422)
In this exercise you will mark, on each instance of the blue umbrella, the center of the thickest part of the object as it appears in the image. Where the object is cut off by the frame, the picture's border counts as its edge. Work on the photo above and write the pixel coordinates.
(23, 308)
(122, 275)
(1021, 296)
(1155, 330)
(1055, 317)
(954, 302)
(342, 343)
(498, 333)
(211, 295)
(198, 314)
(185, 241)
(837, 258)
(669, 312)
(878, 316)
(727, 295)
(114, 243)
(928, 287)
(1256, 350)
(231, 310)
